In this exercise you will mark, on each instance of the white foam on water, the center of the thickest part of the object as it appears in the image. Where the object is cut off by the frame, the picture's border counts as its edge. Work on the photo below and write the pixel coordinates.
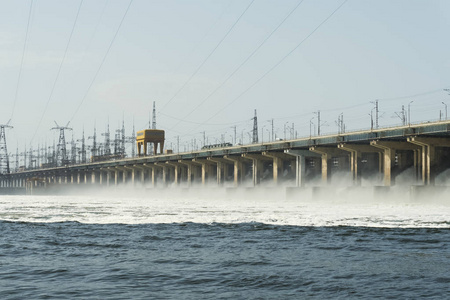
(238, 206)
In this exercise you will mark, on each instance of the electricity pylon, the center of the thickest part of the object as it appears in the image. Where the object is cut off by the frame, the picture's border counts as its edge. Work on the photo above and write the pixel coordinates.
(4, 158)
(61, 152)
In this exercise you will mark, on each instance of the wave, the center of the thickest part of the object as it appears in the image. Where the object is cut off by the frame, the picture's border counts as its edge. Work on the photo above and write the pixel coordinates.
(215, 208)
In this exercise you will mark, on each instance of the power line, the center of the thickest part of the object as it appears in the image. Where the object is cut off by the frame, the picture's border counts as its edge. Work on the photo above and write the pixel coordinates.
(103, 61)
(245, 60)
(21, 62)
(209, 55)
(278, 63)
(59, 70)
(411, 96)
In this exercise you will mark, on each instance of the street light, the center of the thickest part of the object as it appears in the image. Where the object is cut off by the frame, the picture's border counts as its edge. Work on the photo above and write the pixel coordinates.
(310, 126)
(262, 134)
(285, 130)
(409, 112)
(445, 110)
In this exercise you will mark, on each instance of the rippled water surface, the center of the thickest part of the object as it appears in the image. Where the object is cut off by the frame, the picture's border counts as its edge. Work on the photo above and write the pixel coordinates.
(71, 248)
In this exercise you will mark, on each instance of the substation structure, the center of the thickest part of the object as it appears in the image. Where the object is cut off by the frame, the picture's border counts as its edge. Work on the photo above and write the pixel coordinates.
(382, 152)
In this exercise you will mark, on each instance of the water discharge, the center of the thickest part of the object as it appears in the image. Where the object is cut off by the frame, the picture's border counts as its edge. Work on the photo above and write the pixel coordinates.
(308, 207)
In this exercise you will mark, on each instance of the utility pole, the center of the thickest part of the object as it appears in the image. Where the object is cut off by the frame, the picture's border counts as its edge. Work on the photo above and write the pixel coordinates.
(204, 138)
(445, 109)
(255, 129)
(402, 115)
(318, 122)
(409, 112)
(235, 135)
(4, 158)
(310, 127)
(376, 113)
(61, 154)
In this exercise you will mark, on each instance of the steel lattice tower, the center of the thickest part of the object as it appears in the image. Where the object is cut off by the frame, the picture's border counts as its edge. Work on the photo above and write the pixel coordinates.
(94, 142)
(107, 141)
(83, 148)
(4, 158)
(61, 152)
(122, 141)
(255, 129)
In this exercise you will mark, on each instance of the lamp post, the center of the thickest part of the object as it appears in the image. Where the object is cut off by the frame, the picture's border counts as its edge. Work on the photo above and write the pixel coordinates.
(445, 110)
(409, 113)
(310, 127)
(262, 134)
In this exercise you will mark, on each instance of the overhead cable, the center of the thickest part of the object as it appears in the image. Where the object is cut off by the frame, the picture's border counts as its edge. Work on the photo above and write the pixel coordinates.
(59, 70)
(102, 62)
(278, 63)
(209, 55)
(21, 62)
(244, 62)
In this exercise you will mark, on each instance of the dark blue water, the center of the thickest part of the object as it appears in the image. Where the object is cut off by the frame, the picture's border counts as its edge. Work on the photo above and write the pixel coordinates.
(221, 261)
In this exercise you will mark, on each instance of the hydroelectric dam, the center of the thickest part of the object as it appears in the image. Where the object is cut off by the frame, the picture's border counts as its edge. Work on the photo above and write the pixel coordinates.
(423, 149)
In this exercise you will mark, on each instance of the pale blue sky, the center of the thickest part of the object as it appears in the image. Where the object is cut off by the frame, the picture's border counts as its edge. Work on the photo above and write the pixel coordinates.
(367, 50)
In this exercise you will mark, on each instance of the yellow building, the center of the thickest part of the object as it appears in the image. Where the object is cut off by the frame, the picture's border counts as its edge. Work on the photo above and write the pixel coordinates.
(146, 136)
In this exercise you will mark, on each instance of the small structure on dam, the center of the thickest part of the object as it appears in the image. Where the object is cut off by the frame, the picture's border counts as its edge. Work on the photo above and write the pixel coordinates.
(154, 136)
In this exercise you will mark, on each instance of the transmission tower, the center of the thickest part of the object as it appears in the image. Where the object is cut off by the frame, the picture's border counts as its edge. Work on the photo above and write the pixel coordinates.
(255, 129)
(4, 158)
(17, 158)
(94, 148)
(61, 152)
(73, 149)
(107, 141)
(83, 148)
(122, 141)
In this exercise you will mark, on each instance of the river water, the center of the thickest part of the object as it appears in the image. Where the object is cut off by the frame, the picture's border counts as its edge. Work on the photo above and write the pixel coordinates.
(213, 246)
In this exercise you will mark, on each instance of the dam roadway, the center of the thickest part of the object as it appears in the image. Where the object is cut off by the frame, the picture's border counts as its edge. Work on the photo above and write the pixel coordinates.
(382, 153)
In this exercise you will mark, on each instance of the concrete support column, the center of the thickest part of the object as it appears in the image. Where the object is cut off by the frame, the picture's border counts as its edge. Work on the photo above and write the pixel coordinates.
(428, 146)
(165, 172)
(133, 176)
(278, 159)
(153, 173)
(389, 149)
(116, 177)
(221, 169)
(238, 169)
(327, 154)
(176, 172)
(108, 177)
(356, 151)
(101, 179)
(257, 163)
(388, 160)
(206, 169)
(191, 170)
(300, 164)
